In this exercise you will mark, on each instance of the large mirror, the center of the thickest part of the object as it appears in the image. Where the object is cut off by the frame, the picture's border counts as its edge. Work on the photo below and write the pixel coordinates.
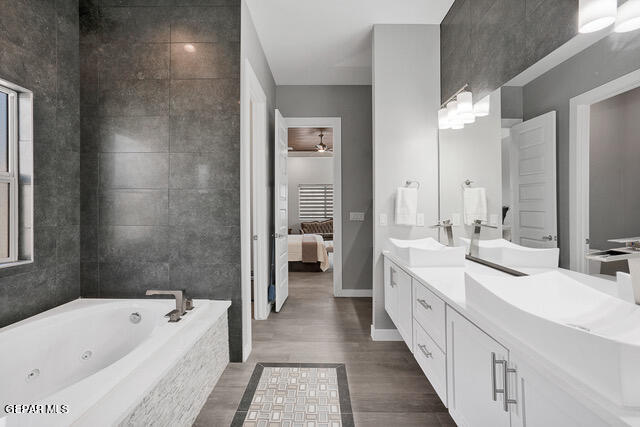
(545, 177)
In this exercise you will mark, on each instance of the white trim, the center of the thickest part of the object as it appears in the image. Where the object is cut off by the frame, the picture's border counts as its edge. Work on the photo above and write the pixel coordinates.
(354, 293)
(336, 124)
(580, 111)
(385, 334)
(253, 207)
(11, 176)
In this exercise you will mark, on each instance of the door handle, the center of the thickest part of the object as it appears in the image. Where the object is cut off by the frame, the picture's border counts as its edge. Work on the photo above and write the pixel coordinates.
(548, 238)
(507, 400)
(424, 304)
(423, 349)
(494, 387)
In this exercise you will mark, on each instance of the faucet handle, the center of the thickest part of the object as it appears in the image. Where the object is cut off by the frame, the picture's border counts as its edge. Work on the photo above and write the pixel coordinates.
(478, 223)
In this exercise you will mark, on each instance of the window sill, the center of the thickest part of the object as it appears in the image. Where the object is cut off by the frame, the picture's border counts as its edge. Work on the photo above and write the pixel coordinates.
(15, 263)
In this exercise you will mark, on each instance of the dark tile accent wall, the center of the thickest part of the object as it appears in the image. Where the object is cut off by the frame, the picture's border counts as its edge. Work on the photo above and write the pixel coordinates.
(486, 43)
(39, 51)
(160, 193)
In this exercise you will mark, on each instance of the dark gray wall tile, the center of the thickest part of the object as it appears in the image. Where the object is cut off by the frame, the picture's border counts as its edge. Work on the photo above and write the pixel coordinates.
(193, 134)
(205, 60)
(215, 279)
(89, 280)
(136, 24)
(128, 279)
(204, 170)
(206, 96)
(134, 207)
(134, 170)
(194, 207)
(135, 61)
(195, 245)
(128, 135)
(131, 98)
(68, 245)
(205, 24)
(133, 243)
(550, 25)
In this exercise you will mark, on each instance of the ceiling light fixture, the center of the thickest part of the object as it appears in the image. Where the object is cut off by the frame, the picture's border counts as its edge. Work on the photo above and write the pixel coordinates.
(594, 15)
(628, 17)
(322, 147)
(189, 48)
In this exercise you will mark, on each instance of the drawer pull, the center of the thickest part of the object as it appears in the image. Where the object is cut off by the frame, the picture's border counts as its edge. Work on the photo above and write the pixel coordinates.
(392, 272)
(423, 349)
(424, 304)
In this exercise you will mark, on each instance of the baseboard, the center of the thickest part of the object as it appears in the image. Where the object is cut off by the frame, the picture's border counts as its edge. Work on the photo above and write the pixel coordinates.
(385, 334)
(354, 293)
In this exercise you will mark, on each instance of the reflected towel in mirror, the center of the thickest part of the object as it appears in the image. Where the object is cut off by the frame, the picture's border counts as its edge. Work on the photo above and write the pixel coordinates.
(475, 205)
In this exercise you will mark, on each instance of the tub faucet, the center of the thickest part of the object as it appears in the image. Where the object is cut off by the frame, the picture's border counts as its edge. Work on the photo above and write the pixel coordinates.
(182, 303)
(448, 228)
(474, 248)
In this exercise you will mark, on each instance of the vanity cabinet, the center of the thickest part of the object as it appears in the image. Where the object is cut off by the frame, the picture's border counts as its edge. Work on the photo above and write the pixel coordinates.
(397, 300)
(475, 376)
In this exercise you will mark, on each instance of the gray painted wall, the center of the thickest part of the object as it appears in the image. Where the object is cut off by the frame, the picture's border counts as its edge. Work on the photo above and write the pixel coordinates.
(44, 59)
(613, 160)
(486, 43)
(406, 93)
(353, 105)
(161, 153)
(610, 58)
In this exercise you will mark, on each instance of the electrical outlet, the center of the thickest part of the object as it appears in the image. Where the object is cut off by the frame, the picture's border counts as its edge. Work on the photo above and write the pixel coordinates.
(356, 216)
(420, 220)
(383, 220)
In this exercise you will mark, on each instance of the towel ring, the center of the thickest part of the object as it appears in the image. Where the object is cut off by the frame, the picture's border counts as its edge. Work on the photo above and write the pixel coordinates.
(468, 182)
(409, 182)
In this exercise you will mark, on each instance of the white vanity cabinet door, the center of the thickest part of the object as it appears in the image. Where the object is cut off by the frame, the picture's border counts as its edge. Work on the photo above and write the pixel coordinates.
(471, 377)
(428, 310)
(432, 360)
(541, 403)
(390, 289)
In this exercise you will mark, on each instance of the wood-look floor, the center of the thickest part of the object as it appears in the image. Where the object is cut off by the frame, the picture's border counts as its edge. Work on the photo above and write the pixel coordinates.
(387, 386)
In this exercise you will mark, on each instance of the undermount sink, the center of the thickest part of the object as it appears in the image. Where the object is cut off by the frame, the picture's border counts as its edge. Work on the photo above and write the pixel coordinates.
(427, 252)
(590, 335)
(504, 252)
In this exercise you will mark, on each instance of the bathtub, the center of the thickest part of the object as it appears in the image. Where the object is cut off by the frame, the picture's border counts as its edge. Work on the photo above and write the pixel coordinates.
(101, 362)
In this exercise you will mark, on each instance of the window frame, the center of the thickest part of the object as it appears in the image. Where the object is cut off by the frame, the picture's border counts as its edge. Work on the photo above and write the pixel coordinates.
(11, 176)
(328, 214)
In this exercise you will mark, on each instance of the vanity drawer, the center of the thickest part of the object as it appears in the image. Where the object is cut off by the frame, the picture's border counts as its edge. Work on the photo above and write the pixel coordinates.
(429, 312)
(432, 360)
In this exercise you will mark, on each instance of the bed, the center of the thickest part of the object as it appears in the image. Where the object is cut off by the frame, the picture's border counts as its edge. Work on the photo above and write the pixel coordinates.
(307, 252)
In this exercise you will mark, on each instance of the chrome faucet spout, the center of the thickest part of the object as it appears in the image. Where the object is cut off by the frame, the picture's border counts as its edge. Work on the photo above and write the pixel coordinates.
(474, 247)
(448, 228)
(182, 302)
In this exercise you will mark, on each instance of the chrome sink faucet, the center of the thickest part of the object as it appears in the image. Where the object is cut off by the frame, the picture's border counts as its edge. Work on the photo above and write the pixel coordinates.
(448, 228)
(474, 248)
(183, 304)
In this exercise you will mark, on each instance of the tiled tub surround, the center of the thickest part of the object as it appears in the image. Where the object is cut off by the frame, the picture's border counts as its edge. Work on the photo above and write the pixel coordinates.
(160, 194)
(44, 59)
(296, 394)
(111, 369)
(453, 342)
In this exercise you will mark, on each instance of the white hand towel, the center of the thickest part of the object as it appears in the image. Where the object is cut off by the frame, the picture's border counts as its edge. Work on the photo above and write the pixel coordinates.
(475, 205)
(406, 206)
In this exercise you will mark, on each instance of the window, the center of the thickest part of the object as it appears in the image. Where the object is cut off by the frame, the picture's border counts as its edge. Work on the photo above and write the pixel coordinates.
(8, 175)
(315, 201)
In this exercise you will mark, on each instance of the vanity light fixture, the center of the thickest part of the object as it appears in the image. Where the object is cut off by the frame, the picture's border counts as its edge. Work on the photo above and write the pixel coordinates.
(628, 17)
(465, 107)
(594, 15)
(482, 108)
(452, 115)
(443, 119)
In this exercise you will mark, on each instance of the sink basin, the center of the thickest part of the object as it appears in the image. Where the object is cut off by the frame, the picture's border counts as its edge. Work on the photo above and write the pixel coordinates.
(590, 335)
(427, 252)
(504, 252)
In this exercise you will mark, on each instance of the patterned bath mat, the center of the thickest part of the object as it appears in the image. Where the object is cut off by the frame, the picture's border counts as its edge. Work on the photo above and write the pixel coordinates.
(296, 395)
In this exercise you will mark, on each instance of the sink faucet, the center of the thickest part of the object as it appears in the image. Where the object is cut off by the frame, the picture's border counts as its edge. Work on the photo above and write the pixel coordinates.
(448, 228)
(474, 248)
(183, 304)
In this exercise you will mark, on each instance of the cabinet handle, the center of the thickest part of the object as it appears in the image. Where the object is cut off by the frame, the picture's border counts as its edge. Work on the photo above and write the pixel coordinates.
(424, 304)
(392, 273)
(494, 388)
(423, 349)
(507, 400)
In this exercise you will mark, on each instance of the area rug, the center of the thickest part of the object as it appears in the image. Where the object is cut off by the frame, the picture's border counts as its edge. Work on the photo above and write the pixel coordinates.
(296, 395)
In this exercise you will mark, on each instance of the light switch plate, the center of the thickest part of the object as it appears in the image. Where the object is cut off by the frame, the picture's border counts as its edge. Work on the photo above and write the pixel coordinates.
(455, 219)
(383, 219)
(356, 216)
(493, 219)
(420, 219)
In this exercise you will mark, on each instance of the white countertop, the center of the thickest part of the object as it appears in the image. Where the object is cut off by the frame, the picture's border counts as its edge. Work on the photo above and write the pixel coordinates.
(449, 284)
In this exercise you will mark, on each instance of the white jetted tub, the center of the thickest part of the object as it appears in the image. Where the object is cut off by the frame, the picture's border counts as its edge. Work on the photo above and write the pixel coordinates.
(102, 362)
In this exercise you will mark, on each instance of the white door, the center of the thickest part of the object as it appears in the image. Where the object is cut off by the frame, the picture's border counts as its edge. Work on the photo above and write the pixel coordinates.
(534, 182)
(281, 216)
(475, 375)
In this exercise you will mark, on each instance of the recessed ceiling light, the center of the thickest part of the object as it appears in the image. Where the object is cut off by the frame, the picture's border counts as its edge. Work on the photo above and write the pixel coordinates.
(189, 48)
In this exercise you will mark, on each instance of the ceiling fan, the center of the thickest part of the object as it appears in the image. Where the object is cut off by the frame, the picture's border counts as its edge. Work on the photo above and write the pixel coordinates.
(322, 147)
